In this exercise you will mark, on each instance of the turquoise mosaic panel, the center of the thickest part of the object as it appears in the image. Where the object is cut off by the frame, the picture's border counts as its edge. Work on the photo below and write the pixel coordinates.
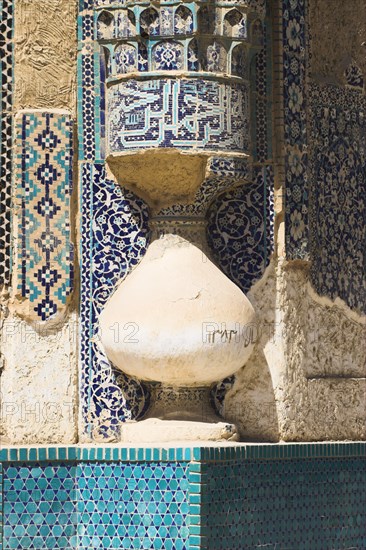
(39, 506)
(298, 504)
(276, 496)
(133, 505)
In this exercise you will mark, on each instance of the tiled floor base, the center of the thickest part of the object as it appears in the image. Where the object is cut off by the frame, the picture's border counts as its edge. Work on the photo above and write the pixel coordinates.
(248, 496)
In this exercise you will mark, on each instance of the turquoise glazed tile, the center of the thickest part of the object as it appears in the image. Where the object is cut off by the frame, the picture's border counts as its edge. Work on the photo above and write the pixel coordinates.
(133, 505)
(39, 505)
(287, 503)
(225, 503)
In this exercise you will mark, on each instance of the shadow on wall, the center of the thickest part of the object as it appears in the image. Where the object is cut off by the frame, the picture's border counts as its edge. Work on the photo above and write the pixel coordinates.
(240, 232)
(251, 403)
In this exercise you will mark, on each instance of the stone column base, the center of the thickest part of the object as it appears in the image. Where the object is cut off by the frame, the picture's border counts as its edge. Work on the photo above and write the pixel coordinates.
(155, 429)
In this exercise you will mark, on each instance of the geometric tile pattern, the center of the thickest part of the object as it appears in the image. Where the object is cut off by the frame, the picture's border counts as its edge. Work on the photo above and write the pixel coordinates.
(295, 129)
(39, 506)
(86, 103)
(337, 192)
(88, 84)
(261, 108)
(144, 38)
(144, 114)
(141, 505)
(143, 25)
(292, 504)
(214, 498)
(242, 452)
(44, 186)
(6, 90)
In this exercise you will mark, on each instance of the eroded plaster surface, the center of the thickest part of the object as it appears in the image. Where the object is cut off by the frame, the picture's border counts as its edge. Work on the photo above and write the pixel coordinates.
(38, 376)
(338, 35)
(45, 54)
(38, 383)
(306, 378)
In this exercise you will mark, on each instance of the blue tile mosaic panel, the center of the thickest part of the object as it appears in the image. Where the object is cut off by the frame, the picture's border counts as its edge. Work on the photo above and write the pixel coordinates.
(145, 114)
(113, 245)
(295, 62)
(86, 103)
(133, 505)
(241, 229)
(261, 107)
(317, 504)
(44, 187)
(39, 506)
(337, 192)
(6, 98)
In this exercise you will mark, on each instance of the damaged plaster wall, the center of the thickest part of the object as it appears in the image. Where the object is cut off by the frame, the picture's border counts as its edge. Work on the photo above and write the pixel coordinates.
(38, 388)
(338, 37)
(306, 379)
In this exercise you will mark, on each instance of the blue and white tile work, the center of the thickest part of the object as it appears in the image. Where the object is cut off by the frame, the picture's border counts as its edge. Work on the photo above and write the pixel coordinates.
(6, 98)
(337, 193)
(199, 112)
(160, 110)
(112, 246)
(295, 52)
(236, 497)
(43, 205)
(325, 171)
(241, 229)
(144, 114)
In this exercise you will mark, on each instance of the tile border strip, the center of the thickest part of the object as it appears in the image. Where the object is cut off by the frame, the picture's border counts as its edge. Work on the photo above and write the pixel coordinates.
(184, 454)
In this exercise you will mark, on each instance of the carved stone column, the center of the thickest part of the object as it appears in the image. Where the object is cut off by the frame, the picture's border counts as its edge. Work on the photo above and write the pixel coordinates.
(177, 135)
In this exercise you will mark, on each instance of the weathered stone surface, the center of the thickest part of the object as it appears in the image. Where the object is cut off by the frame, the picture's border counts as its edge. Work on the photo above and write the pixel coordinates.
(38, 383)
(305, 380)
(45, 54)
(153, 430)
(38, 380)
(338, 35)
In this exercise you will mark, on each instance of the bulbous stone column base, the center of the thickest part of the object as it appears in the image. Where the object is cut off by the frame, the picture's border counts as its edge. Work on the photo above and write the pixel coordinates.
(179, 414)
